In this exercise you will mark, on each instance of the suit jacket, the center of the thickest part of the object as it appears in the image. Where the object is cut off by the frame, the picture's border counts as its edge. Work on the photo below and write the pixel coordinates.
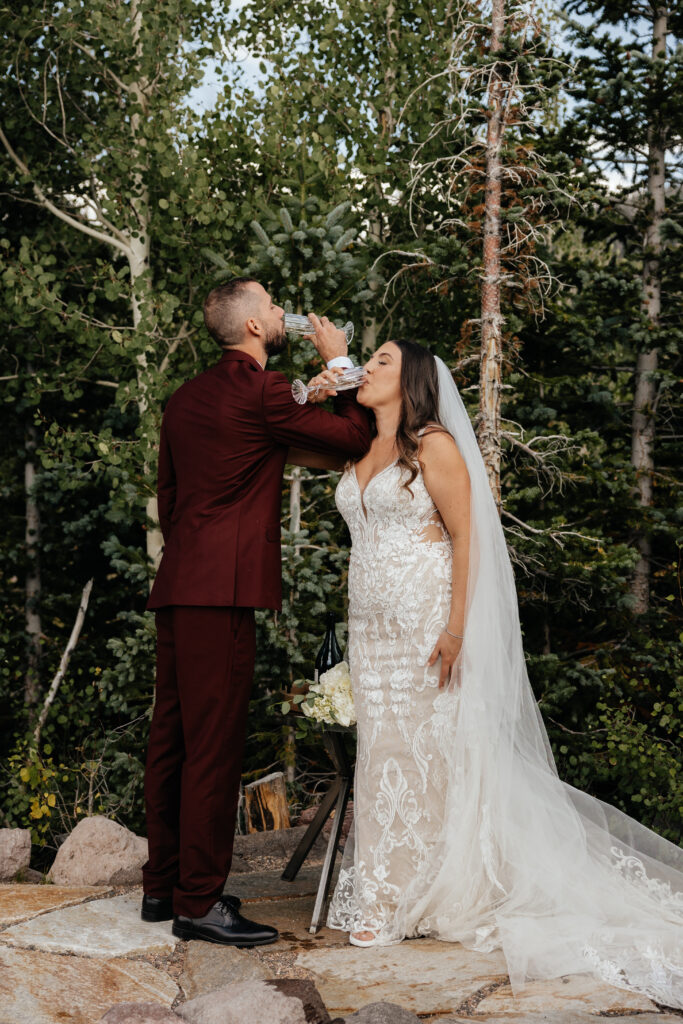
(223, 445)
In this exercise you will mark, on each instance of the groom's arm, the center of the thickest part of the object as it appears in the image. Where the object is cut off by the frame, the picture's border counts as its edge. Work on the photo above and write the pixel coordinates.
(315, 460)
(345, 432)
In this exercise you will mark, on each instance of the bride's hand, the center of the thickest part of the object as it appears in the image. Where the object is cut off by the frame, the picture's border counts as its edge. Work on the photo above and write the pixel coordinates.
(448, 649)
(325, 381)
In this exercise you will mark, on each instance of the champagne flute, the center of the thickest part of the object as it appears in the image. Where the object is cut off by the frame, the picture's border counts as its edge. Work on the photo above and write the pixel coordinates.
(351, 378)
(297, 324)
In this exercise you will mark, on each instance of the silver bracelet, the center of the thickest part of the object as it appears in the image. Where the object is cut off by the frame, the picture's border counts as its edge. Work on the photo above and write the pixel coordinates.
(457, 636)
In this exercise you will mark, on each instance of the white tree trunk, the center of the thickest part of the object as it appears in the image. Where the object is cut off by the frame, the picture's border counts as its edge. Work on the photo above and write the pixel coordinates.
(138, 261)
(388, 120)
(32, 540)
(63, 664)
(643, 421)
(488, 422)
(386, 123)
(295, 502)
(369, 334)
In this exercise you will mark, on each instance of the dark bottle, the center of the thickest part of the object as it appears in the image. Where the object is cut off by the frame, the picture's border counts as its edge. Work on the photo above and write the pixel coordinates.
(330, 652)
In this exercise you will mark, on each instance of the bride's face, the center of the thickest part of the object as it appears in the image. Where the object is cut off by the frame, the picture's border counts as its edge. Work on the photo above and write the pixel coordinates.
(382, 385)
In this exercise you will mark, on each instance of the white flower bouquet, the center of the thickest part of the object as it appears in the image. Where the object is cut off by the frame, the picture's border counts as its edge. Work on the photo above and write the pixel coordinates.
(330, 700)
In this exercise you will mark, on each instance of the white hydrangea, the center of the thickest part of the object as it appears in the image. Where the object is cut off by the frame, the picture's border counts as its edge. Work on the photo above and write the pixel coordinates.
(330, 700)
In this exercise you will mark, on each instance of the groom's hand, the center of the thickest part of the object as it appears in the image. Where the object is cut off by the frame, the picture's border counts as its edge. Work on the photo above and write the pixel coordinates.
(329, 340)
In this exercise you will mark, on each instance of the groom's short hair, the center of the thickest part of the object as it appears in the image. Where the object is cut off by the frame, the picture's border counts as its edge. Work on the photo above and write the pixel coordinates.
(225, 310)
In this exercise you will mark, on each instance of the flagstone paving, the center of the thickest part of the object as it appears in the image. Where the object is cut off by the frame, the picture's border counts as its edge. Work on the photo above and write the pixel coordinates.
(422, 975)
(292, 918)
(21, 902)
(557, 1015)
(45, 988)
(108, 927)
(68, 964)
(579, 993)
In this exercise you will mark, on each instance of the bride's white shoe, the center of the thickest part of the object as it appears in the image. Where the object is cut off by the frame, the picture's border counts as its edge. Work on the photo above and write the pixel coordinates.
(356, 941)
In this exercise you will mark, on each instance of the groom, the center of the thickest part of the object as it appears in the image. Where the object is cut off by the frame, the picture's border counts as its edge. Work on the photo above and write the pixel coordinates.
(225, 438)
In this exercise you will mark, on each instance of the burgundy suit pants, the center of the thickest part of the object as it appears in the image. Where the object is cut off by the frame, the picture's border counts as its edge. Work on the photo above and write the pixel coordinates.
(205, 666)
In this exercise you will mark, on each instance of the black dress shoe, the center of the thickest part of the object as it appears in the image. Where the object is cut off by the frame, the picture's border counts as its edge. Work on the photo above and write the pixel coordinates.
(223, 924)
(154, 909)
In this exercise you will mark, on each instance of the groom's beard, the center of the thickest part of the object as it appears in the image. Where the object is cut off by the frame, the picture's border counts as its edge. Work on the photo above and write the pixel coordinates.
(276, 341)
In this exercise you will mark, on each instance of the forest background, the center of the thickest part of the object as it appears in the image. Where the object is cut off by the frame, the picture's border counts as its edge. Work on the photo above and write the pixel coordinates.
(346, 159)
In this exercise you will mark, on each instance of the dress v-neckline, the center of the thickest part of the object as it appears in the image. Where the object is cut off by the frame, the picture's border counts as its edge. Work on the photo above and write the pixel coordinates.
(374, 477)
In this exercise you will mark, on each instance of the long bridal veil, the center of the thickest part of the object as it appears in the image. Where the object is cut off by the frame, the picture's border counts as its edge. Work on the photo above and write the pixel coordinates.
(561, 881)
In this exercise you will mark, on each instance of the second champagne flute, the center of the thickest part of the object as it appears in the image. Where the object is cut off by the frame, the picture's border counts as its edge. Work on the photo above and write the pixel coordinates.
(351, 378)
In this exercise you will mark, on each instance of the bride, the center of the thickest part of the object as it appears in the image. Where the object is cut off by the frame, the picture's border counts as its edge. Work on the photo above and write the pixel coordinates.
(463, 830)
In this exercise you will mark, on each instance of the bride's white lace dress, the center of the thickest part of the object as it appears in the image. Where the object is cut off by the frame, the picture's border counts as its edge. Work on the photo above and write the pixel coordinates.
(462, 829)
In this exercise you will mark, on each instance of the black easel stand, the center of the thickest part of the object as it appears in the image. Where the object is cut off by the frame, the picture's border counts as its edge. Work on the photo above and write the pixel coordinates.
(336, 798)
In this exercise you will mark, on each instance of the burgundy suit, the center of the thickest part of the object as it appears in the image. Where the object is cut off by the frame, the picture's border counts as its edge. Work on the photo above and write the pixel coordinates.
(224, 441)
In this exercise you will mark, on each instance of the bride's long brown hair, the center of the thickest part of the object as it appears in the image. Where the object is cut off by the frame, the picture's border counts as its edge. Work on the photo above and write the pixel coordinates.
(419, 404)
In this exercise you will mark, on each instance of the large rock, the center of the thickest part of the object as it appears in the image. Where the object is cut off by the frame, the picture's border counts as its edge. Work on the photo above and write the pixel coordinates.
(382, 1013)
(99, 851)
(311, 1000)
(247, 1002)
(208, 967)
(139, 1013)
(278, 1001)
(15, 852)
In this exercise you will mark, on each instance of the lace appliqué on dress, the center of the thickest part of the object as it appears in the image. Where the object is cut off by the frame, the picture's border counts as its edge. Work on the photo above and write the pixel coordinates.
(633, 869)
(399, 601)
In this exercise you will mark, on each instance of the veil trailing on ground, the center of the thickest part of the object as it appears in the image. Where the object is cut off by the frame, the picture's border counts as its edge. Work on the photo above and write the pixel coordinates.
(561, 881)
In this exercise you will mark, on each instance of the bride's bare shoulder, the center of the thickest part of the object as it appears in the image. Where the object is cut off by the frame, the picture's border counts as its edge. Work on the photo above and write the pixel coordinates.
(436, 444)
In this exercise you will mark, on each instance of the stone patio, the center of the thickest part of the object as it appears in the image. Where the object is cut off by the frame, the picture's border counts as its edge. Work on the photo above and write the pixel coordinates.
(68, 955)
